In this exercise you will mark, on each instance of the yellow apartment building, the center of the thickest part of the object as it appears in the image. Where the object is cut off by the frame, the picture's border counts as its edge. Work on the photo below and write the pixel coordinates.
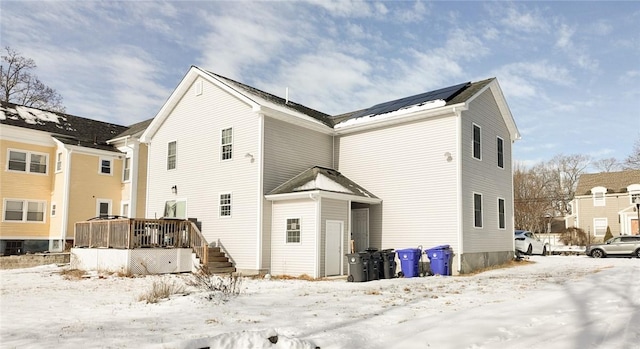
(56, 169)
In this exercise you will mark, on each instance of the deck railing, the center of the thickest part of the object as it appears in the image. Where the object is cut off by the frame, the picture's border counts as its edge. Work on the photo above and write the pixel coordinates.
(132, 233)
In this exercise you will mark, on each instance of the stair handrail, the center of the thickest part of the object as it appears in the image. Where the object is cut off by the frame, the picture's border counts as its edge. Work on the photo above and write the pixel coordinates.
(199, 244)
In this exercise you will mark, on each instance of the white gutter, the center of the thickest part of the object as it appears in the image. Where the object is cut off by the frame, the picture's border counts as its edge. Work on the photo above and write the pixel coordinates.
(318, 234)
(460, 214)
(373, 123)
(314, 194)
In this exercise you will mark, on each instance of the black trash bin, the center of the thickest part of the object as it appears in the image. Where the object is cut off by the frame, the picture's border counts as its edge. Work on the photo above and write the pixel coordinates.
(375, 264)
(358, 267)
(388, 264)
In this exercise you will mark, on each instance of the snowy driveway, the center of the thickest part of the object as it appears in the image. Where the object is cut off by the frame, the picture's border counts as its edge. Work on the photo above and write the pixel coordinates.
(556, 302)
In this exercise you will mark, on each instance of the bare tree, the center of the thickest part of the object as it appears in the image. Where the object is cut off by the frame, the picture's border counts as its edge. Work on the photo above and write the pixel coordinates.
(545, 190)
(531, 201)
(19, 85)
(565, 170)
(632, 162)
(607, 165)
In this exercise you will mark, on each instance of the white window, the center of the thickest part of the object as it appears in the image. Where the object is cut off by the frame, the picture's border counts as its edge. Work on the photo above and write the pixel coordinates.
(53, 209)
(225, 205)
(226, 150)
(599, 226)
(500, 145)
(24, 210)
(175, 209)
(477, 210)
(103, 207)
(477, 145)
(124, 209)
(599, 196)
(635, 197)
(502, 222)
(293, 230)
(105, 166)
(58, 161)
(171, 155)
(30, 162)
(126, 169)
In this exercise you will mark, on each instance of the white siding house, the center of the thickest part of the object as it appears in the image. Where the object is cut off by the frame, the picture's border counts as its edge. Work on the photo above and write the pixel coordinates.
(260, 174)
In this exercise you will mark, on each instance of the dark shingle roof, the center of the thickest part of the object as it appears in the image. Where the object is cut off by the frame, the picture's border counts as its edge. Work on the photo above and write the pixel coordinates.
(307, 181)
(320, 116)
(136, 129)
(69, 129)
(615, 182)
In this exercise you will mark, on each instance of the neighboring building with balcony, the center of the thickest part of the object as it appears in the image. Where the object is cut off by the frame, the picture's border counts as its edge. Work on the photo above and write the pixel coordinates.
(57, 169)
(607, 199)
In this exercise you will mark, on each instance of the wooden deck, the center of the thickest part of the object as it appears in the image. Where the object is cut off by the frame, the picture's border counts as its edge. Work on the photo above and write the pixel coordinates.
(130, 233)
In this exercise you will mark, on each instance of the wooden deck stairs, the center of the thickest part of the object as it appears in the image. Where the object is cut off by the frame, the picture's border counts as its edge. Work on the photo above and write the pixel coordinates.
(218, 262)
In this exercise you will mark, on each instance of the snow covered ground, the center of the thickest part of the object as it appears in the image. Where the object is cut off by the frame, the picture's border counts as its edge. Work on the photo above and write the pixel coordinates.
(554, 302)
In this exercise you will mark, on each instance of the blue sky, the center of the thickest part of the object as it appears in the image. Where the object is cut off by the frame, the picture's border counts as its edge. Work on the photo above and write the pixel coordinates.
(570, 71)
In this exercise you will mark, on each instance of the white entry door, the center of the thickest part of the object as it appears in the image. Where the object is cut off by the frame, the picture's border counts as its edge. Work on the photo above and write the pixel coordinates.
(333, 248)
(360, 228)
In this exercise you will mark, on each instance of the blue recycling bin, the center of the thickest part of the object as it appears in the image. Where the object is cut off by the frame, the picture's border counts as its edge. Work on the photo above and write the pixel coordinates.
(409, 260)
(440, 259)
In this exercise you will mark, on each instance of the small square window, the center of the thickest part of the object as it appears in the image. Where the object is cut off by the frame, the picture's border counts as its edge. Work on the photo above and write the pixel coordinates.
(293, 230)
(17, 161)
(105, 166)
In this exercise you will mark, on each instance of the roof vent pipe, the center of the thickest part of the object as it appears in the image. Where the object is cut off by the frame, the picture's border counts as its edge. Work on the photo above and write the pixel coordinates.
(286, 96)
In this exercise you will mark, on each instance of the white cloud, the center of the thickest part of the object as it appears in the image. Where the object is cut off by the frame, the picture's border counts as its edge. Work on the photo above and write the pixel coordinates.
(414, 14)
(247, 35)
(348, 8)
(521, 20)
(326, 82)
(564, 36)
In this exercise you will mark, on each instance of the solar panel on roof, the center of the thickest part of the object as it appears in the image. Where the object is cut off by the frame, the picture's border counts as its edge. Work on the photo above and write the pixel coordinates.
(445, 94)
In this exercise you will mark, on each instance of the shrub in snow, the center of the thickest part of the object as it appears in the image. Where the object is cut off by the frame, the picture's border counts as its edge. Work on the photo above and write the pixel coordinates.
(161, 289)
(218, 287)
(608, 234)
(574, 236)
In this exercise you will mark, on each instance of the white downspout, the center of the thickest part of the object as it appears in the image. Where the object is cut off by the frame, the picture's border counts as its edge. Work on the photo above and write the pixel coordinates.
(133, 178)
(459, 188)
(66, 194)
(260, 191)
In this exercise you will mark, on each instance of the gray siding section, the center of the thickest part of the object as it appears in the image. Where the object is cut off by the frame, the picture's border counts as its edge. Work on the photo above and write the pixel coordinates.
(294, 258)
(291, 149)
(486, 178)
(200, 176)
(614, 204)
(334, 210)
(405, 165)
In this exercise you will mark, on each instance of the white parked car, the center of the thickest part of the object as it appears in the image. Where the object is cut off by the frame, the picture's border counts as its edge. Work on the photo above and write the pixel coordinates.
(527, 242)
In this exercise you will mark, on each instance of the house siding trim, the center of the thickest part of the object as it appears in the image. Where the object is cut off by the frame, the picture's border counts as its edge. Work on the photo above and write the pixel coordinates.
(314, 194)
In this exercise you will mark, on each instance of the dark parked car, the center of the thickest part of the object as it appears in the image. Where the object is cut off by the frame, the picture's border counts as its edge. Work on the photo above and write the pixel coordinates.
(619, 245)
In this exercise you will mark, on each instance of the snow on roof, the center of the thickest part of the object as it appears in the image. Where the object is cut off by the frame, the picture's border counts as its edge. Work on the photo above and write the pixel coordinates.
(30, 115)
(407, 110)
(322, 182)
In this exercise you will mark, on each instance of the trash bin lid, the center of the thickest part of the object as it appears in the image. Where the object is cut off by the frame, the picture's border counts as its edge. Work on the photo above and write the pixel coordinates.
(441, 247)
